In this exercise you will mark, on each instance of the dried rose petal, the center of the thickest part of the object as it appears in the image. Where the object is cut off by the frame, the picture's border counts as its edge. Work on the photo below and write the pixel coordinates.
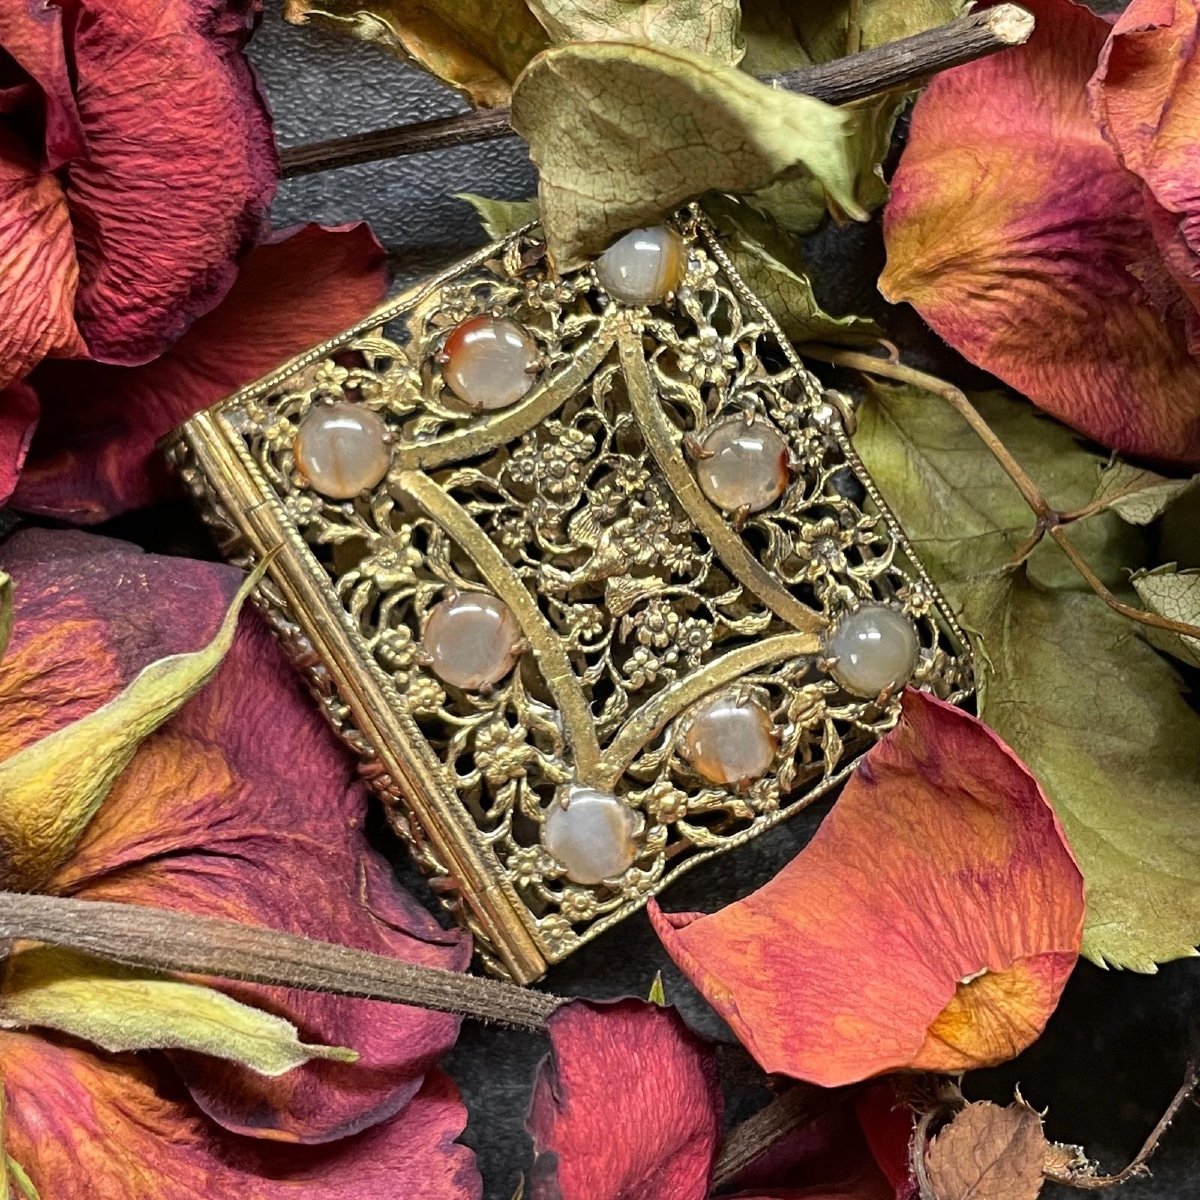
(1146, 96)
(930, 924)
(626, 1107)
(18, 419)
(91, 1127)
(180, 167)
(1020, 228)
(242, 806)
(96, 455)
(38, 271)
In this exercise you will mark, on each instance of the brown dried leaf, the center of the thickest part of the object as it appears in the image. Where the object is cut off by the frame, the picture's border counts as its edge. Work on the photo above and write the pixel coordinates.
(1138, 495)
(477, 46)
(988, 1153)
(709, 27)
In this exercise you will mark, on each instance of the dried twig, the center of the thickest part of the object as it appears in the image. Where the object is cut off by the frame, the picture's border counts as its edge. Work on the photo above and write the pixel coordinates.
(1087, 1181)
(900, 64)
(158, 939)
(757, 1134)
(1049, 521)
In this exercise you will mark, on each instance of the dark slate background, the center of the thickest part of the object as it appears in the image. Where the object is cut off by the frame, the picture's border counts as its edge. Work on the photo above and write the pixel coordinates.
(1114, 1051)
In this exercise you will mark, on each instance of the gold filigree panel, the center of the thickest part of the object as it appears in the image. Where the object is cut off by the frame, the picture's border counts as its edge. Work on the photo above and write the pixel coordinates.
(579, 507)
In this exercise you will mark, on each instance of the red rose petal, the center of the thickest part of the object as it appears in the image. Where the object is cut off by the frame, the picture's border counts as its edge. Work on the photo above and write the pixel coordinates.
(96, 451)
(626, 1107)
(1020, 229)
(180, 168)
(18, 419)
(930, 924)
(87, 1126)
(242, 806)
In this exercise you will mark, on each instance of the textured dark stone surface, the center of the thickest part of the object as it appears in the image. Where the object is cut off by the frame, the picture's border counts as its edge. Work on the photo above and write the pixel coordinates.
(1114, 1051)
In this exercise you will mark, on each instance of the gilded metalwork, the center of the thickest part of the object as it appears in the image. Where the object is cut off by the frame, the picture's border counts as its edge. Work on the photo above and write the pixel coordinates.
(578, 507)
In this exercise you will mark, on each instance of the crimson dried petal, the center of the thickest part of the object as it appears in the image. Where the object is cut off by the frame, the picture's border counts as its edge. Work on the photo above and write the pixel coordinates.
(18, 419)
(96, 451)
(180, 168)
(242, 806)
(627, 1106)
(91, 1127)
(38, 271)
(1020, 228)
(930, 924)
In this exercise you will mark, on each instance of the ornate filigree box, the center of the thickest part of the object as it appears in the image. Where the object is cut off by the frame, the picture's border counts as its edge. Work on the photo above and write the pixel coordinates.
(584, 567)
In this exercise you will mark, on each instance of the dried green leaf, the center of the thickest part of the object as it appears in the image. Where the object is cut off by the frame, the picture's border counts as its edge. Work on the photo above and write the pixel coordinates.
(1101, 720)
(704, 26)
(624, 133)
(22, 1180)
(658, 994)
(50, 790)
(770, 264)
(959, 508)
(477, 46)
(119, 1009)
(782, 35)
(988, 1153)
(499, 218)
(1175, 594)
(1140, 496)
(6, 611)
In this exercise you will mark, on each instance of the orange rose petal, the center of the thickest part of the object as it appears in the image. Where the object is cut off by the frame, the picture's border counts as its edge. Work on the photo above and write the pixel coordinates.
(1019, 229)
(626, 1107)
(95, 453)
(87, 1126)
(930, 924)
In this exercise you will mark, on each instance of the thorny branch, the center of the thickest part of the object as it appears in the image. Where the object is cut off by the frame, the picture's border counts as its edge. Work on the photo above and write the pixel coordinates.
(1049, 521)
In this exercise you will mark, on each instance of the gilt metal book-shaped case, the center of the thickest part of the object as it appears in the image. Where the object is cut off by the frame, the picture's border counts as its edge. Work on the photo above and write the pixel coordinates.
(589, 618)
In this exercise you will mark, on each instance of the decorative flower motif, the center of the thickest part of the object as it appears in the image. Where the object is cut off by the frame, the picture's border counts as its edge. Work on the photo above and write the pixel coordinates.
(502, 752)
(396, 650)
(577, 904)
(676, 552)
(303, 507)
(328, 379)
(585, 622)
(527, 865)
(642, 668)
(664, 802)
(707, 357)
(553, 460)
(457, 302)
(392, 563)
(656, 625)
(695, 638)
(278, 432)
(822, 545)
(423, 694)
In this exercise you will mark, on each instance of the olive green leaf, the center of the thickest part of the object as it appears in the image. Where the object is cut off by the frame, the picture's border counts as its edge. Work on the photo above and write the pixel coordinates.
(1140, 496)
(120, 1009)
(477, 46)
(499, 218)
(704, 26)
(1101, 720)
(658, 994)
(782, 35)
(769, 263)
(51, 789)
(22, 1180)
(623, 133)
(1175, 594)
(6, 611)
(962, 512)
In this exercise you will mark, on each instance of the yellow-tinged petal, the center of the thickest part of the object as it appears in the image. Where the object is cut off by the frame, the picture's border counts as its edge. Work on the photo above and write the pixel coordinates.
(50, 791)
(120, 1009)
